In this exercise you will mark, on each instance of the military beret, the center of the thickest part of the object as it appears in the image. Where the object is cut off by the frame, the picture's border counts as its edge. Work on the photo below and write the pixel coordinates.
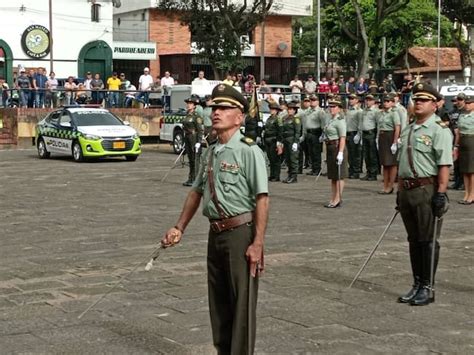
(469, 99)
(425, 91)
(293, 105)
(353, 96)
(194, 99)
(335, 101)
(370, 97)
(313, 98)
(274, 106)
(226, 96)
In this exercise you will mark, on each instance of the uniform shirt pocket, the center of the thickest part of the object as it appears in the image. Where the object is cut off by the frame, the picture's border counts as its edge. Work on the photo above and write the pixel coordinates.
(423, 147)
(228, 179)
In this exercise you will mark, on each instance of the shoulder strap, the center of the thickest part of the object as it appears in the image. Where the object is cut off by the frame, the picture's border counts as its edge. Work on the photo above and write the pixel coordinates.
(212, 187)
(410, 153)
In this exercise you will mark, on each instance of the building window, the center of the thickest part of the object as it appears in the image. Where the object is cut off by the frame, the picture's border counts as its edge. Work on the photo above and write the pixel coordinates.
(95, 12)
(119, 21)
(143, 16)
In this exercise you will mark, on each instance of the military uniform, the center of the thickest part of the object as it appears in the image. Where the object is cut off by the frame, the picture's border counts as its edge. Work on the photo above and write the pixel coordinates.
(304, 157)
(314, 128)
(402, 113)
(466, 143)
(335, 129)
(291, 132)
(369, 147)
(386, 130)
(253, 127)
(193, 130)
(424, 148)
(353, 123)
(272, 135)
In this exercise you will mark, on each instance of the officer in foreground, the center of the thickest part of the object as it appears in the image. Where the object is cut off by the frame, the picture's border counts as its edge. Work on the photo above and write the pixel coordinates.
(233, 184)
(424, 161)
(192, 126)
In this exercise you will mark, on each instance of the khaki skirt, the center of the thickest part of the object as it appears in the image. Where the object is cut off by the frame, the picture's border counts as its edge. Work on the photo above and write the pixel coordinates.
(331, 155)
(386, 157)
(466, 154)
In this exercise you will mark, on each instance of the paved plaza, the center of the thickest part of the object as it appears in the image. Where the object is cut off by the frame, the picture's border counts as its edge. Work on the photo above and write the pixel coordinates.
(69, 231)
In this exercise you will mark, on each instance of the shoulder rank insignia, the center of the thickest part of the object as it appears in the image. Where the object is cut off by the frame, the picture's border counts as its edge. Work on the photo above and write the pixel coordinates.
(297, 120)
(248, 141)
(443, 124)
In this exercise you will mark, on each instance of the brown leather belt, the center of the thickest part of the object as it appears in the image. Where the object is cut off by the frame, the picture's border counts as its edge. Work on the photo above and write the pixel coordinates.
(332, 142)
(408, 184)
(222, 225)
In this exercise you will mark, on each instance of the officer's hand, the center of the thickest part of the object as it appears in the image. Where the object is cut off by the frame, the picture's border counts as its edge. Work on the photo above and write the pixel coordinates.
(197, 146)
(294, 147)
(255, 256)
(357, 138)
(258, 140)
(394, 148)
(173, 236)
(322, 138)
(440, 204)
(340, 158)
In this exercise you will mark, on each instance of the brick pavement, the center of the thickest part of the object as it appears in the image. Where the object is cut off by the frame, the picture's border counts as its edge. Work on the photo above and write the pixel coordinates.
(69, 231)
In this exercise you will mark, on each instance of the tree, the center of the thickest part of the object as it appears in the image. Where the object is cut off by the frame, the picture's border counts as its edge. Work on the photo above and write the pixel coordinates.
(217, 27)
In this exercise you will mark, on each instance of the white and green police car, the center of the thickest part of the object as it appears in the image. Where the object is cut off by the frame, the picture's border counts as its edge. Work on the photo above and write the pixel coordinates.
(86, 133)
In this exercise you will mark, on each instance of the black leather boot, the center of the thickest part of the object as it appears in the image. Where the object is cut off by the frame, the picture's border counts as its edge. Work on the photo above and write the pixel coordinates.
(426, 295)
(416, 268)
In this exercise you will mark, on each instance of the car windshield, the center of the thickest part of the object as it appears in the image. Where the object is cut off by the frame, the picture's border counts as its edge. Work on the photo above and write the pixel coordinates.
(95, 118)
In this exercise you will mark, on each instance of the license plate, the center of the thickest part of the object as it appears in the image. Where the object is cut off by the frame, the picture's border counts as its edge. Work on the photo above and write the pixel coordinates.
(118, 145)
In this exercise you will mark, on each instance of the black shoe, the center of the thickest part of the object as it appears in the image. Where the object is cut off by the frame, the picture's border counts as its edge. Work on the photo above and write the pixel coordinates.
(410, 294)
(383, 192)
(291, 180)
(354, 176)
(372, 178)
(333, 205)
(423, 297)
(306, 166)
(188, 183)
(311, 173)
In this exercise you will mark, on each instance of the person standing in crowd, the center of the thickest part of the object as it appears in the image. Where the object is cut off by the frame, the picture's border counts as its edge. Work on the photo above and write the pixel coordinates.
(32, 92)
(273, 141)
(303, 158)
(87, 84)
(323, 90)
(296, 87)
(351, 86)
(314, 123)
(233, 186)
(39, 83)
(113, 85)
(145, 83)
(97, 85)
(464, 149)
(370, 118)
(130, 94)
(401, 111)
(70, 88)
(228, 80)
(23, 85)
(388, 134)
(310, 86)
(291, 133)
(200, 80)
(4, 93)
(425, 158)
(459, 108)
(193, 129)
(361, 87)
(373, 88)
(353, 140)
(249, 84)
(336, 158)
(240, 82)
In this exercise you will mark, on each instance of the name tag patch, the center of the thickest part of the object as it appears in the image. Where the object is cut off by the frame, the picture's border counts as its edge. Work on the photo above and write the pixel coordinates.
(229, 167)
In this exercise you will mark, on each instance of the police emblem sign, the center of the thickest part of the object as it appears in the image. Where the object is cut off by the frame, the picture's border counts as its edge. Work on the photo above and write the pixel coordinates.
(35, 41)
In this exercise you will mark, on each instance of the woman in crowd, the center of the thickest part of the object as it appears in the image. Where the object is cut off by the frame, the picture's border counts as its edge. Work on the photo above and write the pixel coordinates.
(335, 133)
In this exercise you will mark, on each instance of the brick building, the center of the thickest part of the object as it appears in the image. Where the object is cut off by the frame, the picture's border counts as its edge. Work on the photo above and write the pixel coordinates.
(139, 22)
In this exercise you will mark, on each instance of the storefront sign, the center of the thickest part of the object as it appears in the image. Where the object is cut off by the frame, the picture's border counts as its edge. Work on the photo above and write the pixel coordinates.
(35, 41)
(134, 50)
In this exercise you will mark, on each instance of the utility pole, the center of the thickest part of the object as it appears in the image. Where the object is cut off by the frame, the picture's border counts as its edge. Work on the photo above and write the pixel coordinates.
(51, 60)
(318, 43)
(439, 44)
(262, 41)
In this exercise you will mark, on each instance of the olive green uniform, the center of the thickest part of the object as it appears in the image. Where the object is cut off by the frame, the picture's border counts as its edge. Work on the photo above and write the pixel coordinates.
(291, 132)
(193, 129)
(353, 121)
(402, 113)
(253, 127)
(423, 149)
(334, 129)
(369, 133)
(388, 120)
(315, 122)
(272, 135)
(239, 174)
(303, 157)
(466, 142)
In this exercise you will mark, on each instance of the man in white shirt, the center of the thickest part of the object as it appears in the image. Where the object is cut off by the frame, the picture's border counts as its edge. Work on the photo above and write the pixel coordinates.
(310, 86)
(296, 86)
(166, 83)
(145, 82)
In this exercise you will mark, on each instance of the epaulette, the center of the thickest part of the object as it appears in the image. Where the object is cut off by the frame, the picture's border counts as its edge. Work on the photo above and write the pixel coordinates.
(248, 141)
(443, 124)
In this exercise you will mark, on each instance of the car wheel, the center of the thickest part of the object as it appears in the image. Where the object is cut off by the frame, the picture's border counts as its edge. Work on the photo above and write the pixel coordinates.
(77, 152)
(178, 142)
(42, 152)
(131, 157)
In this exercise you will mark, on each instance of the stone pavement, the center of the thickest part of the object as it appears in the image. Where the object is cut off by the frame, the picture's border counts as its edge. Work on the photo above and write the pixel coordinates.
(69, 231)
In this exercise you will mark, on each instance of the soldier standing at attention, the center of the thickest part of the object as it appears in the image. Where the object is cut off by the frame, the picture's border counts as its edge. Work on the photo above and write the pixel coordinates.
(424, 161)
(232, 183)
(335, 132)
(192, 126)
(369, 132)
(303, 157)
(401, 112)
(314, 124)
(272, 139)
(291, 132)
(353, 123)
(388, 134)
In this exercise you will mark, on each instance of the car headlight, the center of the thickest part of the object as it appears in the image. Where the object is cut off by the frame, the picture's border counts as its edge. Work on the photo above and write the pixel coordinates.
(91, 137)
(135, 136)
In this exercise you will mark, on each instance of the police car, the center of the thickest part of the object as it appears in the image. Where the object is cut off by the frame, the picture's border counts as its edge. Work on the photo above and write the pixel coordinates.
(85, 133)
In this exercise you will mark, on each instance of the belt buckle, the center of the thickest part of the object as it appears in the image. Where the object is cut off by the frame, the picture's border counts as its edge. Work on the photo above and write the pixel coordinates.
(406, 184)
(215, 227)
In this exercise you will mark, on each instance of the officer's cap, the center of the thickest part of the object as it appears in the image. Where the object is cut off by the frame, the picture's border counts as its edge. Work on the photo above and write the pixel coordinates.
(313, 98)
(226, 96)
(194, 99)
(389, 97)
(293, 105)
(274, 106)
(461, 96)
(353, 96)
(370, 97)
(425, 91)
(307, 99)
(469, 99)
(335, 101)
(208, 97)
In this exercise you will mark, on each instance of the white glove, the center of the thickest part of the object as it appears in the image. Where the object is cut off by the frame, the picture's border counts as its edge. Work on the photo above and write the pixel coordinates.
(294, 147)
(357, 138)
(279, 144)
(258, 140)
(377, 143)
(340, 158)
(322, 138)
(301, 139)
(260, 123)
(197, 146)
(394, 148)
